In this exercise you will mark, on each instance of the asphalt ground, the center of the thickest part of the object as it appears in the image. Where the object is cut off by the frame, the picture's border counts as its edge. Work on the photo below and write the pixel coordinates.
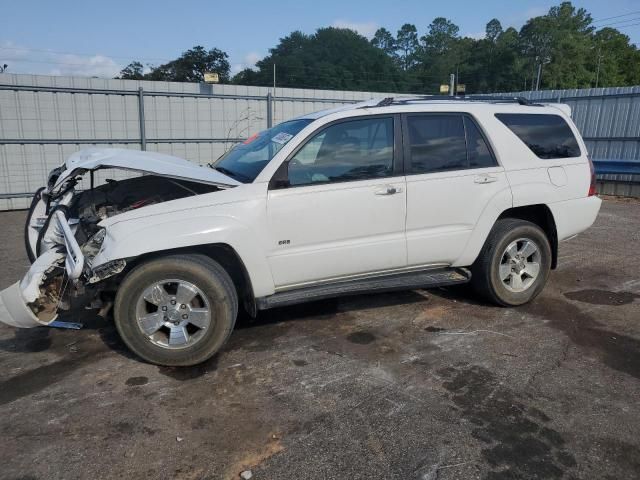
(413, 385)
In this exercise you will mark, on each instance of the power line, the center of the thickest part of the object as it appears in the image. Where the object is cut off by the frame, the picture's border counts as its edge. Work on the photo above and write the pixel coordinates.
(619, 22)
(616, 16)
(627, 26)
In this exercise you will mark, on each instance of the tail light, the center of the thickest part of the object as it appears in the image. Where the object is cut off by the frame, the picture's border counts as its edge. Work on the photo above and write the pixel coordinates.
(592, 185)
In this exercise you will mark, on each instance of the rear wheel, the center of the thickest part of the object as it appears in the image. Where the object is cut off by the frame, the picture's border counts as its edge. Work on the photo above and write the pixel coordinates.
(514, 264)
(177, 310)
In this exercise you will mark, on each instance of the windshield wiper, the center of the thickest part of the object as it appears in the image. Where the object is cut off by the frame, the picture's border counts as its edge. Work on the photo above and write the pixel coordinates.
(234, 175)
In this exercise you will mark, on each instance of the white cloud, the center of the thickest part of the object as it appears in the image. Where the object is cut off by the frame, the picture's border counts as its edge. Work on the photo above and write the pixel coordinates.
(22, 59)
(10, 51)
(366, 29)
(249, 61)
(95, 66)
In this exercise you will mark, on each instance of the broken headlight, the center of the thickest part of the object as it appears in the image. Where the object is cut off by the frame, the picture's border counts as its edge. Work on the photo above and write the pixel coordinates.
(92, 247)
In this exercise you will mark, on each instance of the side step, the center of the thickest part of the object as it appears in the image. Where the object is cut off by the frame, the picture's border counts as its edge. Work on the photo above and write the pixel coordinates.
(404, 281)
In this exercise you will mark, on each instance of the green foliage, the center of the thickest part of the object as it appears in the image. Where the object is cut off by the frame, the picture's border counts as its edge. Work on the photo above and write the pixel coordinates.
(189, 67)
(332, 58)
(563, 45)
(407, 45)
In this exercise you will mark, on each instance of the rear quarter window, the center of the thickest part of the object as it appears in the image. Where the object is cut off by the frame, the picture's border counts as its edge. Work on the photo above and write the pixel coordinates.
(546, 135)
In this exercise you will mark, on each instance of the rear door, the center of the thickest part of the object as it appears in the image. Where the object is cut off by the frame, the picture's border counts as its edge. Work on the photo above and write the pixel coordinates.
(336, 208)
(452, 174)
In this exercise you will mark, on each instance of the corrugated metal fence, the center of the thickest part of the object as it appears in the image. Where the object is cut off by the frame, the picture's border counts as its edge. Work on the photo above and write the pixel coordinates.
(44, 119)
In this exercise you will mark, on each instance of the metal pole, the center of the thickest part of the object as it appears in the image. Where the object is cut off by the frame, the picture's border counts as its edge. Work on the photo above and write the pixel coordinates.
(539, 74)
(274, 78)
(598, 69)
(269, 110)
(143, 135)
(452, 81)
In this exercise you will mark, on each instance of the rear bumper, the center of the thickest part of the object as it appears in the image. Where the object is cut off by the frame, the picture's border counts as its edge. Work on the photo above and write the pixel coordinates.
(575, 216)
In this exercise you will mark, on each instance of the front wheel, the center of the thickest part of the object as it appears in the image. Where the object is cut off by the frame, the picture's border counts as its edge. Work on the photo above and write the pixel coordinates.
(177, 310)
(514, 264)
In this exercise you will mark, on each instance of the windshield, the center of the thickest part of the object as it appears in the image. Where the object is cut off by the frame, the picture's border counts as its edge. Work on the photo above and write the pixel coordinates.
(247, 159)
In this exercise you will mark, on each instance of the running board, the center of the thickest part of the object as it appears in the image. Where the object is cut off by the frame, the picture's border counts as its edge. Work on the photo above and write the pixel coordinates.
(405, 281)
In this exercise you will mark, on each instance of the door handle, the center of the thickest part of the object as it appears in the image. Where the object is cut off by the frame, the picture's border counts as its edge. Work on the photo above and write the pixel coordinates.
(485, 179)
(389, 190)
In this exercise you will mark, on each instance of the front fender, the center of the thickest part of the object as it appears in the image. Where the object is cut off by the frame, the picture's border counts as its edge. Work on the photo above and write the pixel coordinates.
(136, 237)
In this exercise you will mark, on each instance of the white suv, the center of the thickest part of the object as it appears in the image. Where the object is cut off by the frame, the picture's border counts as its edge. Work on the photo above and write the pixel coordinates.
(393, 194)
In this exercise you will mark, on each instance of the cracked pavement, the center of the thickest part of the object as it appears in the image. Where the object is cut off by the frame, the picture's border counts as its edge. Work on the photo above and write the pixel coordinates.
(427, 384)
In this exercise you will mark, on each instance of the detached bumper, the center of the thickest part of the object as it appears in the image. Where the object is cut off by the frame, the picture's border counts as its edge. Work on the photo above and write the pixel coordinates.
(14, 310)
(15, 301)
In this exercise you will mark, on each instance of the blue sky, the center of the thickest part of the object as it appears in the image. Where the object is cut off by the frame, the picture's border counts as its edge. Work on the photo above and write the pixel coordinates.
(64, 37)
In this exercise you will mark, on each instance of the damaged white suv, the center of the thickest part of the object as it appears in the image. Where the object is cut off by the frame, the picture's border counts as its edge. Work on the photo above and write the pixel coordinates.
(393, 194)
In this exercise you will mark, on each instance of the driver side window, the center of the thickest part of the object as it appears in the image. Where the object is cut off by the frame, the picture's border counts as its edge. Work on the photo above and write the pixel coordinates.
(350, 150)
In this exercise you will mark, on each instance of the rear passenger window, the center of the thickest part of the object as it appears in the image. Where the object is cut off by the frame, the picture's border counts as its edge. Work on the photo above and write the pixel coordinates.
(479, 153)
(548, 136)
(438, 143)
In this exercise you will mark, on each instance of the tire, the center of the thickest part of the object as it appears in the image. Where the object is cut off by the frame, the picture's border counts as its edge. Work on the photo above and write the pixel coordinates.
(153, 296)
(495, 272)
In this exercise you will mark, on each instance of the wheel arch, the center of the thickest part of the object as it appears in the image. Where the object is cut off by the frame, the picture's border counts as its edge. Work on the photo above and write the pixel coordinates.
(540, 215)
(224, 254)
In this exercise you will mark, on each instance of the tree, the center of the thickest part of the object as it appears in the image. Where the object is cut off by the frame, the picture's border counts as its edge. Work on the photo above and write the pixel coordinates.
(614, 61)
(442, 53)
(133, 71)
(191, 66)
(441, 37)
(560, 42)
(407, 45)
(383, 39)
(333, 58)
(493, 30)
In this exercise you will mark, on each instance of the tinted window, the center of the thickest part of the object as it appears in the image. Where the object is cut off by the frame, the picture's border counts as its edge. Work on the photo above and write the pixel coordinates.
(351, 150)
(548, 136)
(437, 143)
(479, 154)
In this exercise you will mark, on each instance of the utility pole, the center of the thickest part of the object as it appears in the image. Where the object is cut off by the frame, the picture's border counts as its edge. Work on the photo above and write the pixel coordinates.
(539, 75)
(274, 78)
(452, 83)
(598, 68)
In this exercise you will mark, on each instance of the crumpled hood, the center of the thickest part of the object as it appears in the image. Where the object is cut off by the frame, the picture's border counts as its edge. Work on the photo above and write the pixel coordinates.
(141, 161)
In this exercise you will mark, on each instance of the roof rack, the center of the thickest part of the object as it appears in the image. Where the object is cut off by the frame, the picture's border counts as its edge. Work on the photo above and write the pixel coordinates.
(440, 98)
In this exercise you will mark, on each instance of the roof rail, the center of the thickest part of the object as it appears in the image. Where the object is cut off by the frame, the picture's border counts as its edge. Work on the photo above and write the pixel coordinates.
(388, 101)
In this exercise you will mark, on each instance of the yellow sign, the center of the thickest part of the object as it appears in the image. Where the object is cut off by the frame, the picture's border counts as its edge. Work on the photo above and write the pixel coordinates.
(461, 88)
(444, 88)
(211, 77)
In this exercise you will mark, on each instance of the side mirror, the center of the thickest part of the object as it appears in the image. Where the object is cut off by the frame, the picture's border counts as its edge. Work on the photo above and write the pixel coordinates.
(280, 179)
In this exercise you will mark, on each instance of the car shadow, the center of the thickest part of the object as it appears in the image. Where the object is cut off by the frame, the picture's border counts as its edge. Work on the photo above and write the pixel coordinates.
(44, 338)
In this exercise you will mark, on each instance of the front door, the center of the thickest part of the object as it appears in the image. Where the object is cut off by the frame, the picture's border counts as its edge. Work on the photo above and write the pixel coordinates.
(340, 210)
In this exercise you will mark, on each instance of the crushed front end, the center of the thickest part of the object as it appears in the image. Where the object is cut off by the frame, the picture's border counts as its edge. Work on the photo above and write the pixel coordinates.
(64, 231)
